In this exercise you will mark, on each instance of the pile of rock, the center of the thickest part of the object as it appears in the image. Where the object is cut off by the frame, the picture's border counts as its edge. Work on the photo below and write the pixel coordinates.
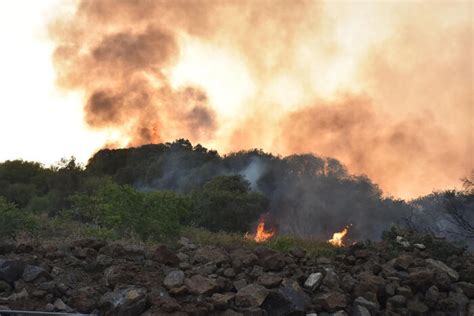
(91, 276)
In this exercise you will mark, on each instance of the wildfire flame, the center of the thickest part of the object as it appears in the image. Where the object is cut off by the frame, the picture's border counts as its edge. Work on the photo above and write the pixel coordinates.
(261, 235)
(338, 237)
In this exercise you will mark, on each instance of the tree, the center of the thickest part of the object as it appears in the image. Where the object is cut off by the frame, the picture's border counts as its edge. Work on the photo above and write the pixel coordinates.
(225, 203)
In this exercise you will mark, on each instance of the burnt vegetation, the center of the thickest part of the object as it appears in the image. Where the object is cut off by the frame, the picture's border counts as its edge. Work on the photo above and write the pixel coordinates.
(153, 191)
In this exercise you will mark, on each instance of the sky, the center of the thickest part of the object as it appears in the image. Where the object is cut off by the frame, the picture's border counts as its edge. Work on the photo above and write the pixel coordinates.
(38, 121)
(384, 86)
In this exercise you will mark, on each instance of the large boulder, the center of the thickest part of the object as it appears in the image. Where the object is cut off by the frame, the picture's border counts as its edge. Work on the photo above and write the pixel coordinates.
(198, 284)
(174, 279)
(11, 270)
(123, 302)
(288, 299)
(441, 266)
(32, 273)
(252, 295)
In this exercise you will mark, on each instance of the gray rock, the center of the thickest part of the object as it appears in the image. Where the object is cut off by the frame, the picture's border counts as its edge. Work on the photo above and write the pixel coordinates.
(443, 267)
(402, 241)
(361, 301)
(32, 273)
(174, 279)
(313, 281)
(288, 299)
(60, 306)
(416, 306)
(467, 288)
(269, 280)
(252, 295)
(397, 301)
(331, 301)
(221, 301)
(239, 284)
(419, 246)
(123, 302)
(360, 310)
(198, 284)
(11, 270)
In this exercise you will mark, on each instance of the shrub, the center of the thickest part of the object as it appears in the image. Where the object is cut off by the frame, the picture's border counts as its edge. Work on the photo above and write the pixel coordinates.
(14, 221)
(225, 203)
(150, 215)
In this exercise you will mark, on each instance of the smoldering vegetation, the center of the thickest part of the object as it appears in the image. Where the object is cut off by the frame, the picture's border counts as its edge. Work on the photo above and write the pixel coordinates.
(308, 195)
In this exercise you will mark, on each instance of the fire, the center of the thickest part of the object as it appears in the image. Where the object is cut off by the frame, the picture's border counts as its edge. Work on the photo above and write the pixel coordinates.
(261, 235)
(338, 238)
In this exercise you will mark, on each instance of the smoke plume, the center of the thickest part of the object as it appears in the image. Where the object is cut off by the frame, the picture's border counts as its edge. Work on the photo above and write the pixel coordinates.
(386, 88)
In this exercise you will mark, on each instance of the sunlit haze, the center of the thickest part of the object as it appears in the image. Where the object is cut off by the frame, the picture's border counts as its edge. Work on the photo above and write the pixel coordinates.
(384, 86)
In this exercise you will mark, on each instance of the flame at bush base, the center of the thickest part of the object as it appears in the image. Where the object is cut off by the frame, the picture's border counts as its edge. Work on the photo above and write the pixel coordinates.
(261, 235)
(337, 239)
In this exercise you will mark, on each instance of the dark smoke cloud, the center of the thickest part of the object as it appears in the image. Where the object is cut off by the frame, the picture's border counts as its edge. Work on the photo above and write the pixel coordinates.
(404, 117)
(119, 60)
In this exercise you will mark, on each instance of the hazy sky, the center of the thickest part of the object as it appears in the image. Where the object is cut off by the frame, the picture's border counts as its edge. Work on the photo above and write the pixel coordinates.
(384, 86)
(37, 121)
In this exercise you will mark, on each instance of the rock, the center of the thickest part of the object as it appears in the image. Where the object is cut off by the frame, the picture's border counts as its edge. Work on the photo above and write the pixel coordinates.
(275, 262)
(31, 273)
(243, 257)
(313, 281)
(331, 301)
(416, 306)
(297, 252)
(361, 301)
(269, 280)
(221, 301)
(403, 262)
(288, 299)
(198, 284)
(251, 295)
(402, 241)
(239, 284)
(84, 300)
(443, 267)
(432, 296)
(331, 280)
(174, 279)
(165, 256)
(125, 302)
(11, 270)
(467, 288)
(208, 254)
(360, 311)
(397, 301)
(421, 278)
(60, 306)
(229, 273)
(4, 286)
(419, 246)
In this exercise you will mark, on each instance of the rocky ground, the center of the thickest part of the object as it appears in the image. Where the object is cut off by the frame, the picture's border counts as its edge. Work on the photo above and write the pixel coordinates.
(91, 276)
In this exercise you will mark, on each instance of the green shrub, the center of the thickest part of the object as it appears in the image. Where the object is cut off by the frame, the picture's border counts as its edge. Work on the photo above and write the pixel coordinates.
(225, 203)
(149, 215)
(14, 221)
